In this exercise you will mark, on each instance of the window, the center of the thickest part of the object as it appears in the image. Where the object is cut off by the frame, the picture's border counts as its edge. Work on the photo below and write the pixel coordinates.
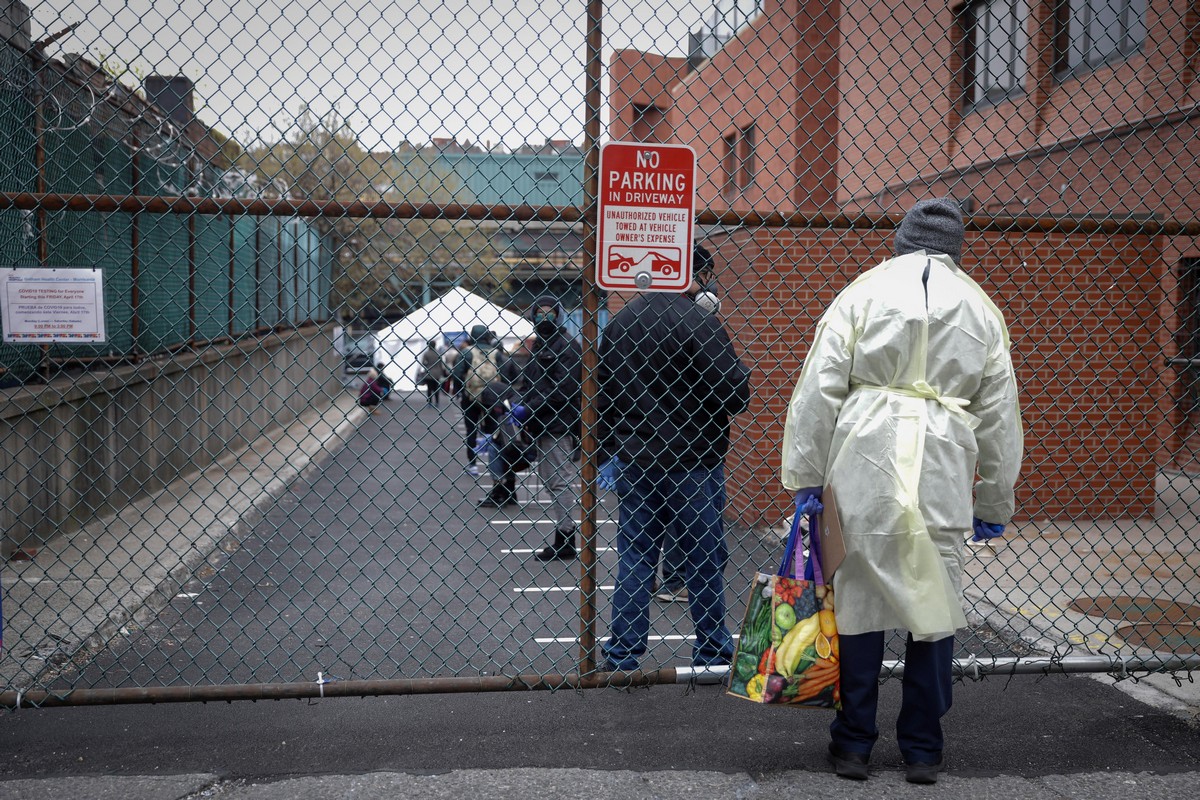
(729, 162)
(1090, 33)
(995, 41)
(747, 169)
(1187, 336)
(739, 160)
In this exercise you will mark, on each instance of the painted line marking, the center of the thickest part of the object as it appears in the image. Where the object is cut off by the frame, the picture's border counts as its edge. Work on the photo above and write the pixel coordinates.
(527, 550)
(672, 637)
(541, 522)
(545, 589)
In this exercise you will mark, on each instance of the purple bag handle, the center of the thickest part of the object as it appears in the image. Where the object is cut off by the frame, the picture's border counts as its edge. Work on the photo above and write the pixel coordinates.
(814, 548)
(791, 565)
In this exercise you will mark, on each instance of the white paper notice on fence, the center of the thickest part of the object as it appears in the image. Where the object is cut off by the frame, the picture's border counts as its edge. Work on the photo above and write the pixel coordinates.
(42, 305)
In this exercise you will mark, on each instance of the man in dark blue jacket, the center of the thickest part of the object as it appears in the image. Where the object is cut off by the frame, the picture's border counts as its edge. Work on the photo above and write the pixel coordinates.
(670, 381)
(550, 405)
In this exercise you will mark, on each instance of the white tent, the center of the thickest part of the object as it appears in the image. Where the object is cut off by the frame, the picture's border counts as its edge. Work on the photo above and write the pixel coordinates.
(399, 346)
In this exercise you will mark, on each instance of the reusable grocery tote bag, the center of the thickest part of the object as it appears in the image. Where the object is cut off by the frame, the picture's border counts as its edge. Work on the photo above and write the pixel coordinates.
(788, 651)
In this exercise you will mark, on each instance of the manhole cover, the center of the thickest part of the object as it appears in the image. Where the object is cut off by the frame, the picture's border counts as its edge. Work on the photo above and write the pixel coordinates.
(1162, 625)
(1137, 610)
(1163, 637)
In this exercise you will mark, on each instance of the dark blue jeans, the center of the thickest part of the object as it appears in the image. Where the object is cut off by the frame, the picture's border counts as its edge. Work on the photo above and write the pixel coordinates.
(686, 504)
(674, 562)
(927, 695)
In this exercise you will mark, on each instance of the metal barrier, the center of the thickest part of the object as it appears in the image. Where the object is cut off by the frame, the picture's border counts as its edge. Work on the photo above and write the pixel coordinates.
(204, 506)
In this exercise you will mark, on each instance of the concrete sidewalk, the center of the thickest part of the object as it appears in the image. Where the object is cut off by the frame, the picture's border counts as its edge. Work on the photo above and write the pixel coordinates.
(1107, 587)
(556, 784)
(119, 571)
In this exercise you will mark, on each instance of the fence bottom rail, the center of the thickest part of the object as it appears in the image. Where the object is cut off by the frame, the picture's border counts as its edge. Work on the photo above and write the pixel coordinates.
(968, 668)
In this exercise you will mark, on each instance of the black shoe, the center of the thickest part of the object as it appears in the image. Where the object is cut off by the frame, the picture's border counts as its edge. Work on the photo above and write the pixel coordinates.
(562, 548)
(551, 552)
(923, 772)
(847, 764)
(497, 502)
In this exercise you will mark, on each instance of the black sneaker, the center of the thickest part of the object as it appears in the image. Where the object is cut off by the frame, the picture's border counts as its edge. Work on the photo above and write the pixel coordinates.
(550, 552)
(492, 502)
(672, 594)
(847, 764)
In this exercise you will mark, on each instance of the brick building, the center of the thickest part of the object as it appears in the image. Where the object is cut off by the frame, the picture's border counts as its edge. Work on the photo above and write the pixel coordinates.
(1018, 108)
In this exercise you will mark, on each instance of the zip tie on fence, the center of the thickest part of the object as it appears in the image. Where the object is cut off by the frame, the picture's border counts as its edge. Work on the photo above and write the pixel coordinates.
(20, 694)
(321, 683)
(971, 668)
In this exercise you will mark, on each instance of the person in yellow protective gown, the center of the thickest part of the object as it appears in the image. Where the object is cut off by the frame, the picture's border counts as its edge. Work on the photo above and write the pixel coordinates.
(907, 394)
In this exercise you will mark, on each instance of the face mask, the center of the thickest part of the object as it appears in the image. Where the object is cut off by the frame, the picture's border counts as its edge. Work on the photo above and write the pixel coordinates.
(545, 323)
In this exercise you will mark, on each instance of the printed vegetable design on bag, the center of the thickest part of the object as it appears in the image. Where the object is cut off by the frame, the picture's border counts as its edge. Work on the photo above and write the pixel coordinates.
(788, 651)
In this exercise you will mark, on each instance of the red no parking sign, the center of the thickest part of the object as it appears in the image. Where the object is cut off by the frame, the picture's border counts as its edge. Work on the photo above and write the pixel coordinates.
(646, 216)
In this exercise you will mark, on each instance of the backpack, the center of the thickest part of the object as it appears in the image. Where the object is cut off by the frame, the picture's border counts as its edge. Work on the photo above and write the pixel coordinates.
(370, 394)
(485, 366)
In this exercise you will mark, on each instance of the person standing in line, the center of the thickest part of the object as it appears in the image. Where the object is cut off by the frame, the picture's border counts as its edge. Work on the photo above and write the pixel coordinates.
(504, 439)
(670, 381)
(907, 393)
(433, 373)
(550, 411)
(476, 366)
(449, 358)
(673, 588)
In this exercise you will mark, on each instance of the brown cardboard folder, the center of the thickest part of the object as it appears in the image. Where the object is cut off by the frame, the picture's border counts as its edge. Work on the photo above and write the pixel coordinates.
(829, 532)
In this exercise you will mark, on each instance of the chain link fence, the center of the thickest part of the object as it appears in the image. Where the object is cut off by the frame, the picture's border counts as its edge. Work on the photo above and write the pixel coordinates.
(285, 201)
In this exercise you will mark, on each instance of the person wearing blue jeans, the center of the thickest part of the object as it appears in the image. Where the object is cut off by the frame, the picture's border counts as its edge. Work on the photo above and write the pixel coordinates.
(686, 504)
(670, 380)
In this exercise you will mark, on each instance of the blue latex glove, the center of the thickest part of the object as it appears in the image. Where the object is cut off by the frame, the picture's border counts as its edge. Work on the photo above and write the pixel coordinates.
(520, 414)
(609, 472)
(484, 446)
(985, 530)
(808, 501)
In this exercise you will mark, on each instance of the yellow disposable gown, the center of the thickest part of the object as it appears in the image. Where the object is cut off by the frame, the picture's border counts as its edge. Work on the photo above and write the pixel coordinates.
(906, 397)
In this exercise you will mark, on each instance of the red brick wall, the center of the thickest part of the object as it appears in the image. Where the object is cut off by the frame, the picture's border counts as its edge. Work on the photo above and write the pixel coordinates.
(1083, 312)
(640, 79)
(873, 86)
(1090, 143)
(778, 75)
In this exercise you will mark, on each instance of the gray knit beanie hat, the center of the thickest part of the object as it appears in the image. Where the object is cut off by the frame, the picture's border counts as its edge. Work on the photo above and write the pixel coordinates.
(935, 226)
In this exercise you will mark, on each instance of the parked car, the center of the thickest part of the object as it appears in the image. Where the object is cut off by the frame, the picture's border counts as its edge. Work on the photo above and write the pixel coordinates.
(359, 352)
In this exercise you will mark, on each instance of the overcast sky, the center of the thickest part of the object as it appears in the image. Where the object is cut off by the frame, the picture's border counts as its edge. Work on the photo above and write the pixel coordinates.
(506, 70)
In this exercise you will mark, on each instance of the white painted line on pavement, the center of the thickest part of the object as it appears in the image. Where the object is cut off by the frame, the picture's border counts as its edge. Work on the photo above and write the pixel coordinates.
(673, 637)
(541, 522)
(524, 550)
(545, 589)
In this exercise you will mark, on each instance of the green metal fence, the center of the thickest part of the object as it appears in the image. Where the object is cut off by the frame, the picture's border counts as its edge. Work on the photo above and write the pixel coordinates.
(169, 280)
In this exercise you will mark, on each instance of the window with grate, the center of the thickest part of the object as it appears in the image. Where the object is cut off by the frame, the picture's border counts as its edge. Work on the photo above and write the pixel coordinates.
(1090, 33)
(747, 168)
(1187, 334)
(729, 161)
(995, 43)
(739, 160)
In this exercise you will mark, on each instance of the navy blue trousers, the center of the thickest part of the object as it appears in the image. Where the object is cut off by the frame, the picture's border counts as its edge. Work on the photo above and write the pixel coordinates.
(926, 696)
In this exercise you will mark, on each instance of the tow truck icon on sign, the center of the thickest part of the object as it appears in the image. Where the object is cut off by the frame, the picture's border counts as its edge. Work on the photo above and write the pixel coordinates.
(660, 263)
